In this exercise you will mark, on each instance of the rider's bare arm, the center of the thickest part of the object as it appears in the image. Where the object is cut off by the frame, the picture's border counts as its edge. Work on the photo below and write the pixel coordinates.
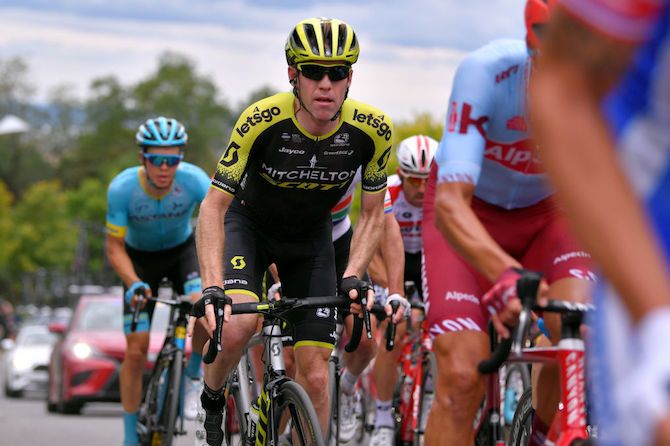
(210, 237)
(456, 220)
(576, 69)
(118, 258)
(393, 255)
(367, 233)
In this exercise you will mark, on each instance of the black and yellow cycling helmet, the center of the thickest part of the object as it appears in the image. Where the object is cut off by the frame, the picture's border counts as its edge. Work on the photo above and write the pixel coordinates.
(319, 39)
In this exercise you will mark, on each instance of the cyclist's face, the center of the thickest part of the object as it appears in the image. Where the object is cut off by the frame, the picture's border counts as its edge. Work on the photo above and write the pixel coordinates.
(324, 97)
(161, 176)
(414, 188)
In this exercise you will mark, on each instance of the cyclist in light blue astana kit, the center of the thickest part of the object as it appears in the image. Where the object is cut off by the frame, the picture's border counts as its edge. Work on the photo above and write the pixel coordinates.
(150, 237)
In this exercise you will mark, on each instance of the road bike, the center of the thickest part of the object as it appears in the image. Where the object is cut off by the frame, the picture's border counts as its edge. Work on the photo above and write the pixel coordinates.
(569, 426)
(160, 415)
(283, 409)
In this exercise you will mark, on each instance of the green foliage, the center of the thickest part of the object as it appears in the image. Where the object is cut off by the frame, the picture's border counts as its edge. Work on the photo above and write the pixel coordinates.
(43, 229)
(177, 91)
(7, 240)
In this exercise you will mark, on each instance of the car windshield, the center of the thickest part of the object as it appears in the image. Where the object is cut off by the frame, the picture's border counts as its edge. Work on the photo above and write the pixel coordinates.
(101, 316)
(36, 338)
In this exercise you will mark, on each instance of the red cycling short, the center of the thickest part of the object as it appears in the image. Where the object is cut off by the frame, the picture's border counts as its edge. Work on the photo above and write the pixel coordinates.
(536, 236)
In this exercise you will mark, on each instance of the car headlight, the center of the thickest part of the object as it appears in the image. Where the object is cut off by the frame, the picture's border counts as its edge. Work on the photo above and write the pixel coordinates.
(82, 350)
(21, 362)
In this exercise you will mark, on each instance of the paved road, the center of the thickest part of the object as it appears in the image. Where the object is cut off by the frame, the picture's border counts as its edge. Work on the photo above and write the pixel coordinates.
(26, 422)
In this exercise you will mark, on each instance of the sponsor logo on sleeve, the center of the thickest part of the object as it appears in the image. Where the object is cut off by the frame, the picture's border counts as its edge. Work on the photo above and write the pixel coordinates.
(257, 117)
(376, 122)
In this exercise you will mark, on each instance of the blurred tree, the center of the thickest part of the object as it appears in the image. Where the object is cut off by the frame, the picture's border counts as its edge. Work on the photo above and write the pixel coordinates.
(8, 243)
(106, 143)
(7, 240)
(176, 90)
(15, 90)
(87, 206)
(65, 115)
(255, 95)
(43, 230)
(22, 164)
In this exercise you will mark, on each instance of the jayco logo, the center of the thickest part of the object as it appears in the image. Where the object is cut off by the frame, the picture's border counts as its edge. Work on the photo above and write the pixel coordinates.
(258, 116)
(383, 129)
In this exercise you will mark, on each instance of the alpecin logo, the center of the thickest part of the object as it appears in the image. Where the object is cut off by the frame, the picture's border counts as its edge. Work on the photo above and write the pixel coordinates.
(257, 117)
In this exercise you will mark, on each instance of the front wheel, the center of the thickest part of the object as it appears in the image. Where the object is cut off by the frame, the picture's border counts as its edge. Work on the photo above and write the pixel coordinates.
(521, 423)
(293, 403)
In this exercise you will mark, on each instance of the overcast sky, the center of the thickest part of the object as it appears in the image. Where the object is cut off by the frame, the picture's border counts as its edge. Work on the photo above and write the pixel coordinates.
(409, 48)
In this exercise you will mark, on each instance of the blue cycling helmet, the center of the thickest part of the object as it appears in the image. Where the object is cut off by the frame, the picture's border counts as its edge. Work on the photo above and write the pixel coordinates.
(161, 132)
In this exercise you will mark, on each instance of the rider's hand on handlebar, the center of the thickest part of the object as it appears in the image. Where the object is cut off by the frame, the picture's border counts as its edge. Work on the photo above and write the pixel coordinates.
(136, 289)
(204, 307)
(403, 310)
(274, 293)
(502, 302)
(353, 287)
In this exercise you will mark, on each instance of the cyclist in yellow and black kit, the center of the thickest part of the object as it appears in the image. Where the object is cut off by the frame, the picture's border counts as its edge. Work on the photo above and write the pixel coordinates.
(289, 160)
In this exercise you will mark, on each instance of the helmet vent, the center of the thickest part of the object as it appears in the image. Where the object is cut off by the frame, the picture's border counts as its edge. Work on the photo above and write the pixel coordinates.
(296, 40)
(341, 38)
(312, 41)
(327, 39)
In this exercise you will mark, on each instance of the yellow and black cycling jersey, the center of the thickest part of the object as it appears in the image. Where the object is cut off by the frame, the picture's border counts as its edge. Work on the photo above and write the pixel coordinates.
(280, 171)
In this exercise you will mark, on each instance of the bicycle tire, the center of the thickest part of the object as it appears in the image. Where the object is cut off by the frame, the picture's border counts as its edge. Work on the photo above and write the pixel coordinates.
(173, 397)
(152, 401)
(303, 419)
(521, 424)
(515, 375)
(333, 390)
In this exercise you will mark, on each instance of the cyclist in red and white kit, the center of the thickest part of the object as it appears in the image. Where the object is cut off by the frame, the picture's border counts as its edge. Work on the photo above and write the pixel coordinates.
(405, 198)
(488, 211)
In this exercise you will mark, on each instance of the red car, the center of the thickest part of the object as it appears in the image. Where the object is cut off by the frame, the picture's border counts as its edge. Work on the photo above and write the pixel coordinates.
(86, 362)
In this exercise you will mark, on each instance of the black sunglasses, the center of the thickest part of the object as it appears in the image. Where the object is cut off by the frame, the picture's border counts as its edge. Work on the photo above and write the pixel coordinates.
(316, 72)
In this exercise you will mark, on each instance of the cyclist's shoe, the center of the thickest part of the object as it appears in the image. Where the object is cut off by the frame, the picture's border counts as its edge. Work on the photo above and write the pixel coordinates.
(192, 389)
(212, 421)
(351, 422)
(382, 436)
(285, 439)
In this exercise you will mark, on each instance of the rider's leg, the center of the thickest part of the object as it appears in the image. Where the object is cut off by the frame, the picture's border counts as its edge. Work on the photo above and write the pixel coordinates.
(194, 366)
(356, 361)
(459, 387)
(130, 382)
(235, 336)
(312, 374)
(386, 374)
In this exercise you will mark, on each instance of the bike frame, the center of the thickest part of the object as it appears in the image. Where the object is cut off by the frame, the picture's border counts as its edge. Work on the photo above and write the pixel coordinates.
(175, 339)
(569, 423)
(414, 355)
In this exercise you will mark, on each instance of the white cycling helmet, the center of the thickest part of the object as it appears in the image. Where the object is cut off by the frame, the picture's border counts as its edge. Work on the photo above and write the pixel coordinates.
(415, 155)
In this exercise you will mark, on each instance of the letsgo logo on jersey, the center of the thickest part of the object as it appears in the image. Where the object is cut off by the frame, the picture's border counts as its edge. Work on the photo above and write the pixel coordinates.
(521, 156)
(383, 129)
(259, 116)
(307, 178)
